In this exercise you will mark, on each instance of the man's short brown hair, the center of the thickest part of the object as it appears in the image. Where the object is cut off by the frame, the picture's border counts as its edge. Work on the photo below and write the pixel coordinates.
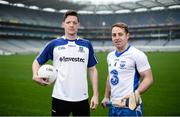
(121, 25)
(72, 13)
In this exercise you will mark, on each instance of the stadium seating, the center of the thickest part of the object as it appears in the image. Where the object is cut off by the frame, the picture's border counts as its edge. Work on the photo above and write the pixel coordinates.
(25, 30)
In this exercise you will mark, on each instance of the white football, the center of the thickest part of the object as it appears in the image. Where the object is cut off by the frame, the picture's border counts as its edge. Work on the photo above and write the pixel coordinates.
(47, 71)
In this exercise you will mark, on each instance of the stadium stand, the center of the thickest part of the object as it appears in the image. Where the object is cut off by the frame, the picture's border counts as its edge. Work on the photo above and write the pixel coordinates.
(24, 30)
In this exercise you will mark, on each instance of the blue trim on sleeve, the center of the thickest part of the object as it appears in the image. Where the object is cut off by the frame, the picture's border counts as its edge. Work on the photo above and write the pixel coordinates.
(47, 53)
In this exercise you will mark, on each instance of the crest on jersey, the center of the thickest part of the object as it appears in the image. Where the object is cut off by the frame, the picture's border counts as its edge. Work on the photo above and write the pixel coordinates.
(122, 64)
(81, 49)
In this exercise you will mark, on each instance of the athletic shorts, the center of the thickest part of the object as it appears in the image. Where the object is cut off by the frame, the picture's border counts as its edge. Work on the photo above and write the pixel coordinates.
(116, 111)
(65, 108)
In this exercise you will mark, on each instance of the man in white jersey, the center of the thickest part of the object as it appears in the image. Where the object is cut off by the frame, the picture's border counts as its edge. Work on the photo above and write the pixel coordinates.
(126, 65)
(71, 57)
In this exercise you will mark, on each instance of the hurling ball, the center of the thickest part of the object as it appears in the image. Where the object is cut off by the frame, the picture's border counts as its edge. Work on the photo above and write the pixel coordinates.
(47, 71)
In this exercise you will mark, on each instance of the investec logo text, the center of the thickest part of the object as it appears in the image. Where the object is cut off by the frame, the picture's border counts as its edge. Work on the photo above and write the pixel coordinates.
(71, 59)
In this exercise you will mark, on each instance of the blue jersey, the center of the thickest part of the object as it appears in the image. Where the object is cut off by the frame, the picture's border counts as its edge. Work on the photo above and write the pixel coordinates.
(71, 58)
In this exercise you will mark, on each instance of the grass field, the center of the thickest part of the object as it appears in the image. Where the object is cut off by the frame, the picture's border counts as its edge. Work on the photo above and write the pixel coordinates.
(19, 95)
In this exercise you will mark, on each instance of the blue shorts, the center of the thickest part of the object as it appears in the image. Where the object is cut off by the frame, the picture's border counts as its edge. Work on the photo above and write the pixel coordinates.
(116, 111)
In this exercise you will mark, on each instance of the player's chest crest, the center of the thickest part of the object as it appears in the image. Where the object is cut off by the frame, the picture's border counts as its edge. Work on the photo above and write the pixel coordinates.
(81, 49)
(123, 64)
(120, 64)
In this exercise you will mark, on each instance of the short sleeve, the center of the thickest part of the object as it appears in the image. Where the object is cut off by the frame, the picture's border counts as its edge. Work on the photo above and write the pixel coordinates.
(142, 62)
(92, 57)
(45, 54)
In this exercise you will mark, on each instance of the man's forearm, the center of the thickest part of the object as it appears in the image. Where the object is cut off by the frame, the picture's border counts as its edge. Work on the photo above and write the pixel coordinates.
(107, 90)
(146, 82)
(94, 79)
(35, 67)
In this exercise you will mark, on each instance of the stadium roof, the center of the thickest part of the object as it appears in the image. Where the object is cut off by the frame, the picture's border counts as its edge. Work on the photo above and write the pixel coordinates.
(87, 6)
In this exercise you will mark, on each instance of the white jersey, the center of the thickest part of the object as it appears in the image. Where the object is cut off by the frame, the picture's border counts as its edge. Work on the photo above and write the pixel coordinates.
(71, 59)
(124, 71)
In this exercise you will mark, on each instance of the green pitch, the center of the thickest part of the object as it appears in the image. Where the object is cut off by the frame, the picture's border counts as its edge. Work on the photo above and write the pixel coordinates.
(19, 95)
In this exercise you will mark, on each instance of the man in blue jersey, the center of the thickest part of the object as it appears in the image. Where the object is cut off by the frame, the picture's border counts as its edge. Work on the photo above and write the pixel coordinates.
(72, 57)
(126, 65)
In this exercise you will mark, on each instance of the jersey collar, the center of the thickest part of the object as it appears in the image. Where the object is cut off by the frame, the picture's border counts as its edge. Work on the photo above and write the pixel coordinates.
(68, 39)
(118, 53)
